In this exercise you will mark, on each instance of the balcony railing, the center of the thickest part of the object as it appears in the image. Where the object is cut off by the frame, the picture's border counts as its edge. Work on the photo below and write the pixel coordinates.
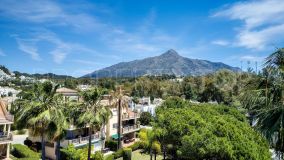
(129, 129)
(127, 116)
(82, 140)
(4, 136)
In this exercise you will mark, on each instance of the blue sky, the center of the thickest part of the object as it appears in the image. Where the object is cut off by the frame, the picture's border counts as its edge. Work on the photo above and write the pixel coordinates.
(78, 37)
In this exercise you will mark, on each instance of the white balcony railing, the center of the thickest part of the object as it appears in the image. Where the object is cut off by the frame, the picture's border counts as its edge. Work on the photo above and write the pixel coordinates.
(83, 140)
(129, 129)
(4, 136)
(127, 116)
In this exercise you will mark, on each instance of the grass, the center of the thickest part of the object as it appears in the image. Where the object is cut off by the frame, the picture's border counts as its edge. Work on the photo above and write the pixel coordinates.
(136, 155)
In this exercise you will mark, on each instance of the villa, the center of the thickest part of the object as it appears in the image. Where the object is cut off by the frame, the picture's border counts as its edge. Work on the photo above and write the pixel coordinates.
(77, 136)
(130, 123)
(6, 137)
(145, 105)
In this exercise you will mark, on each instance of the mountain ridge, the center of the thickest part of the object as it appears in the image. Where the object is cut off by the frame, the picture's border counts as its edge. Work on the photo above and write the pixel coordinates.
(170, 63)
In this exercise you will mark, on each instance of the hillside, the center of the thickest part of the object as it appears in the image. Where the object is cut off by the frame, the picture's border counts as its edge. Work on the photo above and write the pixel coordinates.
(170, 63)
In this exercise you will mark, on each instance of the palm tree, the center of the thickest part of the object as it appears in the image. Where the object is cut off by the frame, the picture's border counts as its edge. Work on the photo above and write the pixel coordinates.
(105, 115)
(61, 124)
(119, 101)
(91, 112)
(266, 99)
(37, 110)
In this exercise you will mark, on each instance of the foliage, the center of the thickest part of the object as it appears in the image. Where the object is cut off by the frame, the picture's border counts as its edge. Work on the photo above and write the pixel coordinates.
(22, 151)
(28, 142)
(111, 144)
(145, 118)
(264, 98)
(209, 132)
(156, 147)
(127, 153)
(118, 153)
(109, 157)
(71, 153)
(135, 146)
(98, 156)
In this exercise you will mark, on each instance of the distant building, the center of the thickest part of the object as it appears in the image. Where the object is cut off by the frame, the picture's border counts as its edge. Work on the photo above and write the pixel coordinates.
(145, 105)
(69, 94)
(6, 137)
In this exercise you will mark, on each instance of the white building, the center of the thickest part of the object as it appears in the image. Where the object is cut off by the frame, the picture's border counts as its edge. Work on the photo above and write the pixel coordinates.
(145, 105)
(6, 137)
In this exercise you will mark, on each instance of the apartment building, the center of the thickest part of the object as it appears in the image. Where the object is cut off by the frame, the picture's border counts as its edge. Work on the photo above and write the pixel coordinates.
(6, 137)
(130, 122)
(79, 137)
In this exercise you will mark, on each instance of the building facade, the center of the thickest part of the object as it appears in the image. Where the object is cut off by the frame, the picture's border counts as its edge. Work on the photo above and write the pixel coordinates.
(6, 137)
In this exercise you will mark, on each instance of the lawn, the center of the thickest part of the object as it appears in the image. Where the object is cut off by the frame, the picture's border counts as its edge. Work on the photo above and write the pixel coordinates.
(136, 155)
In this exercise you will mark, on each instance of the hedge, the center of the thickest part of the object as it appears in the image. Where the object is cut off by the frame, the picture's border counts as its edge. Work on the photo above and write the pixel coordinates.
(118, 153)
(22, 151)
(109, 157)
(111, 144)
(127, 153)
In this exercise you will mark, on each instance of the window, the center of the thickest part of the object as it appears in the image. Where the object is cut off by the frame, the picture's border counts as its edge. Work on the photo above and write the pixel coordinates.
(114, 125)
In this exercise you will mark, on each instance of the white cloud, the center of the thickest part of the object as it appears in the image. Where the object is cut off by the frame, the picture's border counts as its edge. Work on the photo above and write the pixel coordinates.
(29, 46)
(47, 12)
(220, 42)
(263, 22)
(59, 52)
(2, 53)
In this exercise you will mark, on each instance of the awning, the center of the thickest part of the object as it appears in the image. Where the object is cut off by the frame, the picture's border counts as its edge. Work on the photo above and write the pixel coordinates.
(115, 136)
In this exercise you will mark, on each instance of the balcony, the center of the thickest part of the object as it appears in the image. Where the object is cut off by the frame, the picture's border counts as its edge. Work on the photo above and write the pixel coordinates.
(129, 129)
(128, 116)
(5, 137)
(81, 140)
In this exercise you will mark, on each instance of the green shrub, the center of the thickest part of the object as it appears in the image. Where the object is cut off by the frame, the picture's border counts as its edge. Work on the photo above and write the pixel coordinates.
(21, 132)
(98, 156)
(22, 151)
(111, 144)
(118, 153)
(127, 153)
(135, 146)
(109, 157)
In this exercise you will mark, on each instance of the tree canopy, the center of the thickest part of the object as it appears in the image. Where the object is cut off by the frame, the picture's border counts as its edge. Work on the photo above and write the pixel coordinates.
(208, 131)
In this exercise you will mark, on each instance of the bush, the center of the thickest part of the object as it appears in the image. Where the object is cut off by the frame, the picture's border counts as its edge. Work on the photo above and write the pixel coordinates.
(21, 132)
(127, 153)
(136, 145)
(146, 118)
(22, 151)
(98, 156)
(118, 153)
(109, 157)
(111, 144)
(28, 142)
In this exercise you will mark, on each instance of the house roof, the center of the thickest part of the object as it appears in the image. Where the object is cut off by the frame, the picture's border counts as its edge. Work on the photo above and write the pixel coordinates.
(65, 90)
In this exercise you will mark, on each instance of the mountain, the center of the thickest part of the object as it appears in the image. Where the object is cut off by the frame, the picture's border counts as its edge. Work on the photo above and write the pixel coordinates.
(6, 74)
(170, 63)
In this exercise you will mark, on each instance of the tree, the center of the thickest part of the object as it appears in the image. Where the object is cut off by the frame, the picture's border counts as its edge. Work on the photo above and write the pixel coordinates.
(105, 115)
(265, 98)
(145, 118)
(38, 111)
(119, 101)
(91, 113)
(204, 131)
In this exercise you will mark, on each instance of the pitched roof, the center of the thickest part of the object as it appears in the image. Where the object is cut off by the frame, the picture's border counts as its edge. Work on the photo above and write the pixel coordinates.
(65, 90)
